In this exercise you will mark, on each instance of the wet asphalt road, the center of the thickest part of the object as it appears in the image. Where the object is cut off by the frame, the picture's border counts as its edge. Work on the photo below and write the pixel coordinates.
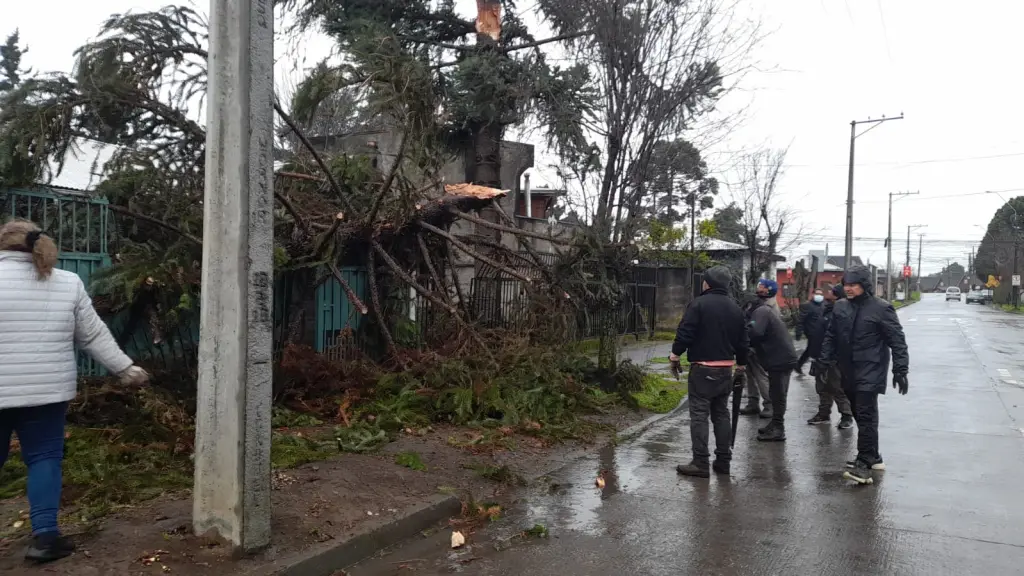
(951, 501)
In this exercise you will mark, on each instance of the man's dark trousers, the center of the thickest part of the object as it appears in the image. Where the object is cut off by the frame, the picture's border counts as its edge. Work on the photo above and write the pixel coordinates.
(709, 396)
(778, 387)
(828, 385)
(865, 413)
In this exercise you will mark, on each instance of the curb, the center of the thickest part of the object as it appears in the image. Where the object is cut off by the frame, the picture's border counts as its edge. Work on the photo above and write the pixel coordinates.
(640, 427)
(327, 560)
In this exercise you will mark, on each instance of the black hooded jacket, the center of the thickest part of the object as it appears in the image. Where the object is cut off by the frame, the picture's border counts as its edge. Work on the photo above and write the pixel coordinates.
(816, 326)
(713, 328)
(860, 335)
(810, 321)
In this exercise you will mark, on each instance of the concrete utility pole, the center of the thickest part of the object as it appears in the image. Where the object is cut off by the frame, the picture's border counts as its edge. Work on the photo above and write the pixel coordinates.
(920, 244)
(888, 244)
(849, 184)
(232, 454)
(906, 292)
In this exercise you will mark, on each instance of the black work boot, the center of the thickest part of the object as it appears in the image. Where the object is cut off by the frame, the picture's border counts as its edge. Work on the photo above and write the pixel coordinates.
(750, 409)
(766, 413)
(48, 547)
(772, 433)
(846, 422)
(695, 469)
(720, 467)
(860, 473)
(820, 418)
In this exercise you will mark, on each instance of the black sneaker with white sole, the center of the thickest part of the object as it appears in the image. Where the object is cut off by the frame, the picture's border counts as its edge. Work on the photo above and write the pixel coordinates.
(861, 474)
(877, 465)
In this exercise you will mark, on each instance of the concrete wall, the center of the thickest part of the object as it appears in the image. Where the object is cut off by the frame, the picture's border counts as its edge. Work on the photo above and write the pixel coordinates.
(674, 295)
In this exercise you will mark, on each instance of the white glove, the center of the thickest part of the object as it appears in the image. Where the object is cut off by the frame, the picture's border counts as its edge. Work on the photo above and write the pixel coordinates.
(134, 376)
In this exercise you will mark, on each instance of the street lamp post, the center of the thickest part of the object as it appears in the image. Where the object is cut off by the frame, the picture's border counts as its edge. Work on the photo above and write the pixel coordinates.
(849, 184)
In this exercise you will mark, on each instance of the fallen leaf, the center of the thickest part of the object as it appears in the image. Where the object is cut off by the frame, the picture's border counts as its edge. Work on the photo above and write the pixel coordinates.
(458, 540)
(19, 523)
(600, 481)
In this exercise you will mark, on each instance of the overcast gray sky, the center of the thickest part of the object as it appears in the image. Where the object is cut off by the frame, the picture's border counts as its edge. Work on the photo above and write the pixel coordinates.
(953, 69)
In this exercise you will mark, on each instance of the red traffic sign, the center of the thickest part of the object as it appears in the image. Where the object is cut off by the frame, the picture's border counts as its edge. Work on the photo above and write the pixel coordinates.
(906, 271)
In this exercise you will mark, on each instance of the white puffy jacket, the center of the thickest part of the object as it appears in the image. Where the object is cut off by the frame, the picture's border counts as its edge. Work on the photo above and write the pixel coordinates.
(41, 322)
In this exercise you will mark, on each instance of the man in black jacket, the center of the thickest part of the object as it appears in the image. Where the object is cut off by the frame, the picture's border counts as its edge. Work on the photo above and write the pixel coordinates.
(827, 379)
(713, 336)
(773, 345)
(863, 331)
(809, 325)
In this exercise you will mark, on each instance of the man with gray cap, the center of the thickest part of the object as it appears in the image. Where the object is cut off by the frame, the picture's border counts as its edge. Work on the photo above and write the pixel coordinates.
(714, 337)
(863, 331)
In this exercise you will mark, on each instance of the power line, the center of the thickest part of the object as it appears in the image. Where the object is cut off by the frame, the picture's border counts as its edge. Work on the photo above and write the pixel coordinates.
(893, 163)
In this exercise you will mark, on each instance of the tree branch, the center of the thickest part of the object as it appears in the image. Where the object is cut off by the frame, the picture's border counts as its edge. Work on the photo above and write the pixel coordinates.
(425, 252)
(470, 252)
(160, 223)
(559, 38)
(510, 230)
(316, 156)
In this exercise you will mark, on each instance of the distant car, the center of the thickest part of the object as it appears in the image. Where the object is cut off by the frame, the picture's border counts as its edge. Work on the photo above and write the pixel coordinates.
(952, 293)
(975, 297)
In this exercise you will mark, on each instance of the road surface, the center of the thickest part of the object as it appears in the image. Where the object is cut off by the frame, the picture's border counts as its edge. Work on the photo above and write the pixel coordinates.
(951, 501)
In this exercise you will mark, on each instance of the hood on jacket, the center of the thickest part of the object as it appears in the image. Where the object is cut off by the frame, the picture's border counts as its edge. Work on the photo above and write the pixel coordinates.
(718, 277)
(860, 275)
(838, 292)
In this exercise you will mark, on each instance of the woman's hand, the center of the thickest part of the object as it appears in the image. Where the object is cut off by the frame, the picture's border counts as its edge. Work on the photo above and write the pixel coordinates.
(134, 376)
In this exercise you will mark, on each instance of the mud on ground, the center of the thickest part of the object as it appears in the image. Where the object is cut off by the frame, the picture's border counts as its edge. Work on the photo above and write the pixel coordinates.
(332, 500)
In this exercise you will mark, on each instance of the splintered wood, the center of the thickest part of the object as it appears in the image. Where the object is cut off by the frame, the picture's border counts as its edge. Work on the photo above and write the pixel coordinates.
(475, 191)
(488, 18)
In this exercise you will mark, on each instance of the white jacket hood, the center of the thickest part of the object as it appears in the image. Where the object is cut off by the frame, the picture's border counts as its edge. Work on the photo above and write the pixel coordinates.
(41, 323)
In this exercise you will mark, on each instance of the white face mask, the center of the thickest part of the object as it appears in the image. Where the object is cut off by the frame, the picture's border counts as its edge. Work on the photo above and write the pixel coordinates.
(819, 298)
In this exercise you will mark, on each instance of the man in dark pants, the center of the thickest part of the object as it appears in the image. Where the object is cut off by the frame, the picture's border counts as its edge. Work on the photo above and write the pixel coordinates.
(810, 320)
(827, 379)
(713, 336)
(773, 345)
(863, 331)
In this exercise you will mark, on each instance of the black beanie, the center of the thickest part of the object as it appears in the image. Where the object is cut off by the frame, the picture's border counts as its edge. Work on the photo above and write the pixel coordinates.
(718, 277)
(838, 292)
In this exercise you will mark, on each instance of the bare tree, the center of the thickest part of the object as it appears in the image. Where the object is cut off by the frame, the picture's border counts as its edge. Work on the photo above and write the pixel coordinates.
(658, 66)
(766, 218)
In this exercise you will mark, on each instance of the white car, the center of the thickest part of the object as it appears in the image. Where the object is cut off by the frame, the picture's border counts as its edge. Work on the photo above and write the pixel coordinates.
(952, 293)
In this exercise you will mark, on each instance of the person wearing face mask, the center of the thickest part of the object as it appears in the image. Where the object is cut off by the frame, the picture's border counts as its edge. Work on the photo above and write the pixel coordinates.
(810, 318)
(827, 380)
(757, 377)
(863, 331)
(776, 355)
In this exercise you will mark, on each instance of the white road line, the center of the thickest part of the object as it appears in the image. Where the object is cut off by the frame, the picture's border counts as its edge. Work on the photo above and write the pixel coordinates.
(1004, 372)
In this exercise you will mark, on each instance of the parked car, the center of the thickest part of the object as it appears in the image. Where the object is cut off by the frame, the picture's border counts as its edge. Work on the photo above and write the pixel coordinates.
(975, 297)
(952, 293)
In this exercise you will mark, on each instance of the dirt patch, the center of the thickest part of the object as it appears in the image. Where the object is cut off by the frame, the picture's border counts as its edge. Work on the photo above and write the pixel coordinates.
(332, 500)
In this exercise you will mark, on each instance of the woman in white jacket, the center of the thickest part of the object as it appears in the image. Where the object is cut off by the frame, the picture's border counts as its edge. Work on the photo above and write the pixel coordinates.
(44, 315)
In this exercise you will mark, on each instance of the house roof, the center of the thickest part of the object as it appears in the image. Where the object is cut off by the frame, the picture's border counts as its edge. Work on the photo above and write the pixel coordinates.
(822, 267)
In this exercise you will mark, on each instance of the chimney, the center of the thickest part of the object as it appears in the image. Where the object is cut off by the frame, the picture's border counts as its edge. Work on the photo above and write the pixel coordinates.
(529, 197)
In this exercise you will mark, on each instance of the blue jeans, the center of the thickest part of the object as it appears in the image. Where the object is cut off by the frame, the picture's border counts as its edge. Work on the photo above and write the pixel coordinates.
(41, 433)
